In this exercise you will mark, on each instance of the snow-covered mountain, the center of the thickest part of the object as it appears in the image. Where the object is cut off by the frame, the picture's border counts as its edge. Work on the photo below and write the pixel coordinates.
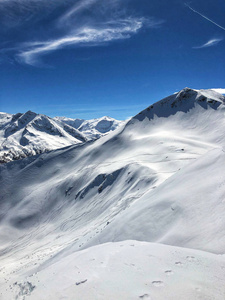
(27, 134)
(94, 128)
(137, 214)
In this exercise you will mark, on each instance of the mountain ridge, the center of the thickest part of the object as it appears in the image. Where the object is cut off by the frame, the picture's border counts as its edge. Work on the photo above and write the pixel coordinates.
(184, 100)
(28, 134)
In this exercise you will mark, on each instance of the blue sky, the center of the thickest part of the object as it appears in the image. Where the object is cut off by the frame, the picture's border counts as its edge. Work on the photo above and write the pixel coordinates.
(89, 58)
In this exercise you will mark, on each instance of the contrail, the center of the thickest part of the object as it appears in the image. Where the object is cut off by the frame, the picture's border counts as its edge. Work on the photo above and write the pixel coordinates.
(195, 11)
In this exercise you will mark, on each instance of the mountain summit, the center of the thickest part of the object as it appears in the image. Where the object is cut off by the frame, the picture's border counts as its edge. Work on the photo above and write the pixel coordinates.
(183, 101)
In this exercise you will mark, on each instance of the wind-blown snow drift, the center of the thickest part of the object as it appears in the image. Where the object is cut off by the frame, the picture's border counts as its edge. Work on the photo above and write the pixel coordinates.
(159, 178)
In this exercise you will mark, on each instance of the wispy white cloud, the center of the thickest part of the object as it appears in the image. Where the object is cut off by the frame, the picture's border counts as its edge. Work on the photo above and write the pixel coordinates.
(86, 35)
(109, 31)
(210, 43)
(205, 17)
(219, 90)
(87, 22)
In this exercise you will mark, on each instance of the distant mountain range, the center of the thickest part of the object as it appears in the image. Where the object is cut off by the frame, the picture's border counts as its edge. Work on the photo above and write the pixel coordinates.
(28, 134)
(136, 214)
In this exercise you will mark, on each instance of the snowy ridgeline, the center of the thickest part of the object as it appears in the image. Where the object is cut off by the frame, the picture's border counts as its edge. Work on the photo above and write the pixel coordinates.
(28, 134)
(89, 221)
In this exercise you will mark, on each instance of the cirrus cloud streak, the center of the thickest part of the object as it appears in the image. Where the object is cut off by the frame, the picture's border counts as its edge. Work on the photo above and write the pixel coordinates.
(110, 31)
(72, 24)
(210, 43)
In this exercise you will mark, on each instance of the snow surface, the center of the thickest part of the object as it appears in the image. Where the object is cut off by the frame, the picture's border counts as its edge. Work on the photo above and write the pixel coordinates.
(126, 270)
(156, 183)
(28, 134)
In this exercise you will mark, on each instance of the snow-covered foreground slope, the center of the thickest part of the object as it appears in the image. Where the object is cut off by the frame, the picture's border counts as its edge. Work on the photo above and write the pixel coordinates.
(27, 134)
(125, 270)
(159, 178)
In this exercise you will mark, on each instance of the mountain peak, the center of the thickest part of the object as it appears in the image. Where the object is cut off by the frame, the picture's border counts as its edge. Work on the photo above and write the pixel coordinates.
(187, 92)
(183, 101)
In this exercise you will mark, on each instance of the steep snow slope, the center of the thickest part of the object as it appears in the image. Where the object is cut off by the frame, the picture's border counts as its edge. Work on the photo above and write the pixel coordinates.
(159, 178)
(28, 134)
(94, 128)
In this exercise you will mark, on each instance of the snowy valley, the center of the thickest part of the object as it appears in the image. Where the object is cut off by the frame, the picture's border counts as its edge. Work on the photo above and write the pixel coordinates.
(135, 214)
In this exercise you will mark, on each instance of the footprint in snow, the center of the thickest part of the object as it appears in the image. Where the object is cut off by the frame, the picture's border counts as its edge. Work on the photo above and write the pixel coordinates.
(145, 296)
(80, 282)
(178, 263)
(158, 283)
(169, 272)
